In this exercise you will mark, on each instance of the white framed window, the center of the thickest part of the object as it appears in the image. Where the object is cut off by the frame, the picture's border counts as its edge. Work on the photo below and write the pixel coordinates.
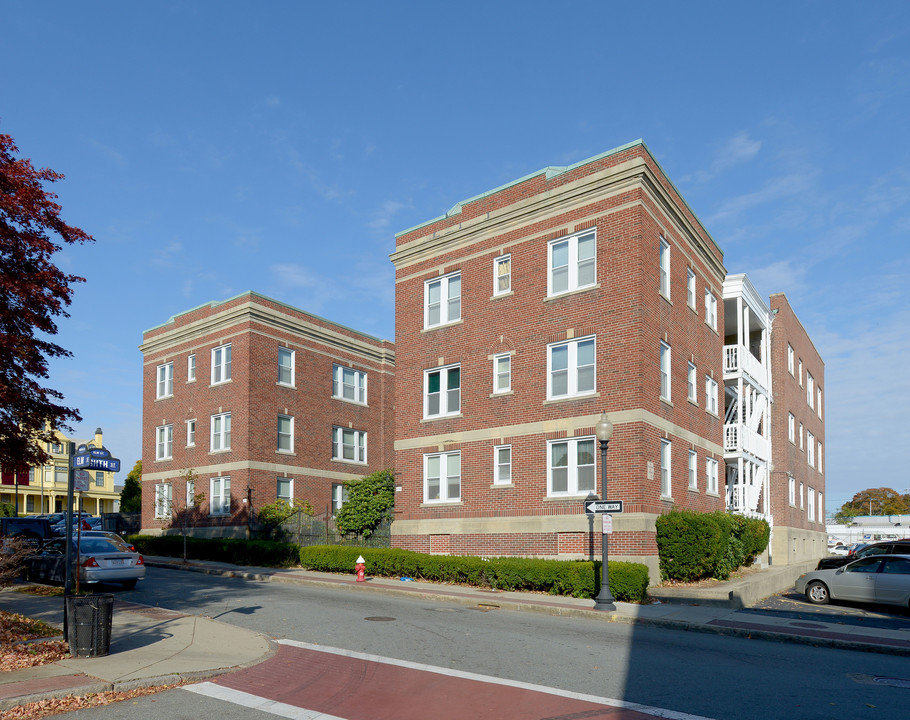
(790, 359)
(190, 433)
(339, 496)
(61, 475)
(572, 263)
(285, 433)
(220, 494)
(810, 503)
(502, 275)
(692, 384)
(99, 479)
(570, 368)
(792, 491)
(710, 309)
(818, 397)
(664, 371)
(666, 480)
(442, 300)
(286, 366)
(570, 467)
(502, 460)
(190, 493)
(800, 368)
(442, 477)
(442, 391)
(349, 445)
(165, 386)
(820, 459)
(221, 432)
(163, 497)
(791, 428)
(502, 373)
(710, 394)
(57, 448)
(665, 268)
(164, 442)
(801, 493)
(221, 364)
(821, 507)
(349, 384)
(810, 390)
(810, 449)
(690, 287)
(693, 470)
(285, 490)
(191, 368)
(711, 466)
(800, 436)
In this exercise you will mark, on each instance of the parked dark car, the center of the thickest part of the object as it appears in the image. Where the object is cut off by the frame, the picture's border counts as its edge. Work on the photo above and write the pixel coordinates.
(33, 530)
(886, 547)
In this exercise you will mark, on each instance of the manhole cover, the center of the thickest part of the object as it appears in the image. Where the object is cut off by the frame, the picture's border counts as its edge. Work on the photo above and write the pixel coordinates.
(893, 682)
(379, 618)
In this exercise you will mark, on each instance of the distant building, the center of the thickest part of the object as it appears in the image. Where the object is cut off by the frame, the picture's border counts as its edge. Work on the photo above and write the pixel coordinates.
(44, 489)
(263, 401)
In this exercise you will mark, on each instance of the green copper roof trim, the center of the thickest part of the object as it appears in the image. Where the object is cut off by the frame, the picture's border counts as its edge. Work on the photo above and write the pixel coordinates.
(554, 171)
(216, 303)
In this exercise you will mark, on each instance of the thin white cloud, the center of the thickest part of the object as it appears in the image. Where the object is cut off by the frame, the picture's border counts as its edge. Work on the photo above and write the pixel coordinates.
(791, 185)
(382, 216)
(737, 150)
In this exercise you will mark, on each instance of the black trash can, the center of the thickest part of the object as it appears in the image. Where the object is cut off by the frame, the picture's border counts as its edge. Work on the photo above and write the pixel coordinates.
(89, 620)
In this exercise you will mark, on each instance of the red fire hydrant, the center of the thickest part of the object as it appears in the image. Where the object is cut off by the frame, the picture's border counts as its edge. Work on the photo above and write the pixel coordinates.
(360, 567)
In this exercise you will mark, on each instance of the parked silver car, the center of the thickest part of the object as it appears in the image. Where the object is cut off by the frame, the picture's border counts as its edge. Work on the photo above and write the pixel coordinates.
(874, 579)
(99, 560)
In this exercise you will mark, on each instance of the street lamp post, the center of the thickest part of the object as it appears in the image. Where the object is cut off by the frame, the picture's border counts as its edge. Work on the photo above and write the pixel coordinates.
(604, 599)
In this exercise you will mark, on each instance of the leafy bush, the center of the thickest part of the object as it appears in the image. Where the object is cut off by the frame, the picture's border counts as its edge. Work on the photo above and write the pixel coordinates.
(7, 509)
(369, 502)
(261, 553)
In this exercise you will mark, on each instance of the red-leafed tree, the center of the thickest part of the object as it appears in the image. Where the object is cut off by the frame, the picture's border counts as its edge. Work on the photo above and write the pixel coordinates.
(33, 291)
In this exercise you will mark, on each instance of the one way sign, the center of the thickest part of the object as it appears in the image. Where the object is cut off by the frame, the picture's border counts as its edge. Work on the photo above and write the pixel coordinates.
(603, 506)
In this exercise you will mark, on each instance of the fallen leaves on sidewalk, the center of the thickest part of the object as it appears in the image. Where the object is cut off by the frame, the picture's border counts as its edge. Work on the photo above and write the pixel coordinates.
(45, 708)
(16, 652)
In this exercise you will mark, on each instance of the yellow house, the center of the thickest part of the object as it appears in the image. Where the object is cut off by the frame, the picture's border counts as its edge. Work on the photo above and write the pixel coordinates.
(44, 489)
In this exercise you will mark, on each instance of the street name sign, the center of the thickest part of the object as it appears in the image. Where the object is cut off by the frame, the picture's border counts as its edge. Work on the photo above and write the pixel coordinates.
(95, 459)
(603, 506)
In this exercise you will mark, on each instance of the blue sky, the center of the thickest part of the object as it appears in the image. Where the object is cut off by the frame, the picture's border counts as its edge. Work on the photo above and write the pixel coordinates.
(218, 147)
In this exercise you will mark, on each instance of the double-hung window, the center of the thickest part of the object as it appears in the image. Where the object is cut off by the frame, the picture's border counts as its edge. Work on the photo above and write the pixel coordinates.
(285, 366)
(570, 368)
(792, 491)
(820, 457)
(690, 287)
(165, 381)
(800, 436)
(221, 432)
(810, 449)
(710, 394)
(349, 384)
(810, 504)
(442, 300)
(692, 384)
(502, 275)
(220, 494)
(791, 428)
(666, 484)
(710, 309)
(285, 433)
(349, 445)
(191, 368)
(664, 371)
(810, 390)
(99, 479)
(339, 496)
(442, 477)
(502, 373)
(799, 376)
(693, 470)
(711, 467)
(790, 357)
(190, 433)
(285, 490)
(164, 441)
(572, 263)
(502, 459)
(442, 391)
(665, 268)
(818, 397)
(570, 467)
(221, 364)
(163, 500)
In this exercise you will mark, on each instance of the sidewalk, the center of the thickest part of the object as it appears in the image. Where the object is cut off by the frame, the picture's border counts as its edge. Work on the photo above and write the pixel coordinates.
(152, 646)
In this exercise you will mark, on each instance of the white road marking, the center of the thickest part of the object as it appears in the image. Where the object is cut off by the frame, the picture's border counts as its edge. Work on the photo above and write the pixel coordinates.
(257, 703)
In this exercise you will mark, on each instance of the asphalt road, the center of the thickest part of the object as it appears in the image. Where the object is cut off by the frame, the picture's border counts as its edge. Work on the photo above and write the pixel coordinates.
(700, 674)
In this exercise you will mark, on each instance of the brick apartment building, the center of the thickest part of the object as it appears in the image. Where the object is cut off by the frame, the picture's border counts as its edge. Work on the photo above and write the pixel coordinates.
(521, 315)
(263, 401)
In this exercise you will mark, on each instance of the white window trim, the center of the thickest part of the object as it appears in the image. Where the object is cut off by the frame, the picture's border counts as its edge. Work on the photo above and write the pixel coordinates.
(810, 504)
(163, 500)
(191, 368)
(791, 428)
(819, 467)
(443, 392)
(223, 435)
(572, 267)
(164, 381)
(691, 291)
(224, 508)
(572, 467)
(191, 433)
(692, 384)
(711, 390)
(496, 360)
(792, 491)
(444, 282)
(360, 445)
(666, 372)
(693, 470)
(710, 309)
(790, 359)
(810, 391)
(224, 365)
(290, 482)
(810, 449)
(290, 435)
(497, 262)
(293, 367)
(497, 465)
(711, 473)
(572, 368)
(164, 447)
(664, 265)
(666, 468)
(443, 478)
(359, 385)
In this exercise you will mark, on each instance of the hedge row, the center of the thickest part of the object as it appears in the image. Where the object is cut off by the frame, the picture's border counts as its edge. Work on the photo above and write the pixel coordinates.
(628, 581)
(695, 545)
(259, 553)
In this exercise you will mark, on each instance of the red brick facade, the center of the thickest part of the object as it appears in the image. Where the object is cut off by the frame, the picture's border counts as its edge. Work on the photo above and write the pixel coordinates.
(623, 197)
(256, 394)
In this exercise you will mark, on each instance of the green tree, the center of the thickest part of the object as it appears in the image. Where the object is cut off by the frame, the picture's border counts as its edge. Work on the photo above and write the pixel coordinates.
(271, 516)
(370, 501)
(878, 501)
(131, 495)
(846, 514)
